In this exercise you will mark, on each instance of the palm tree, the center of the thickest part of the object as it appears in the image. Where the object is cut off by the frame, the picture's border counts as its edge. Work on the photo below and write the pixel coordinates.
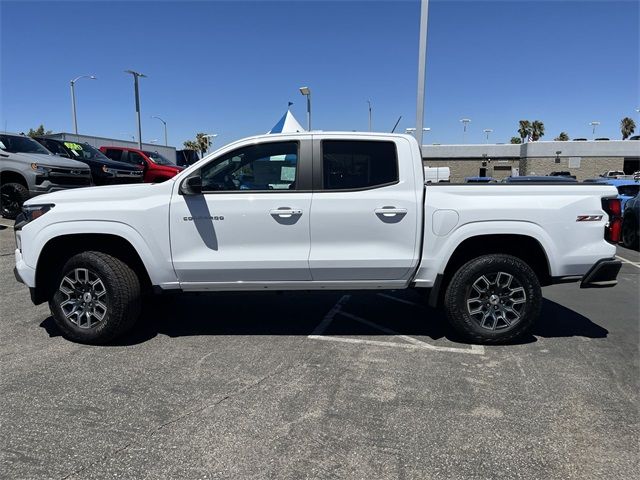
(627, 127)
(191, 145)
(537, 130)
(563, 137)
(516, 140)
(203, 143)
(525, 130)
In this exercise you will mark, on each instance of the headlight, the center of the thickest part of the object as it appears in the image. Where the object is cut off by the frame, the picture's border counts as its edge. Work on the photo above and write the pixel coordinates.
(40, 169)
(108, 170)
(30, 213)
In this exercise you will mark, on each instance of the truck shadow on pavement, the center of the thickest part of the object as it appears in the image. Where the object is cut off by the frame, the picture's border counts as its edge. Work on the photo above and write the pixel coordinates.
(295, 313)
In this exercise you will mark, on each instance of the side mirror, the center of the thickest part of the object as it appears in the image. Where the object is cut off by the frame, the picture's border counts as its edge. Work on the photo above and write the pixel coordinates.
(192, 185)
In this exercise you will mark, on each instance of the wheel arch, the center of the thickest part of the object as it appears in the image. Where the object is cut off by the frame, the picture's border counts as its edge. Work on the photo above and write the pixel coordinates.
(11, 176)
(59, 249)
(525, 247)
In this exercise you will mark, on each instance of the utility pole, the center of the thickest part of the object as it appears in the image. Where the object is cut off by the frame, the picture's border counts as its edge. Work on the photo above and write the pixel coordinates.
(137, 75)
(422, 64)
(369, 102)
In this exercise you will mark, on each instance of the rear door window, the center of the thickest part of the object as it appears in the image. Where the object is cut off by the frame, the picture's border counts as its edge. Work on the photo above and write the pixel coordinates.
(358, 164)
(114, 154)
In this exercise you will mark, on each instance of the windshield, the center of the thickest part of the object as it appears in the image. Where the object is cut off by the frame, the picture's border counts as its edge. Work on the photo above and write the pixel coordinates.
(159, 159)
(19, 144)
(629, 190)
(84, 151)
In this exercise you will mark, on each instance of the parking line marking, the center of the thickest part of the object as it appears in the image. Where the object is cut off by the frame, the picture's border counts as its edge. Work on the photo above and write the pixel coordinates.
(412, 343)
(626, 260)
(8, 225)
(400, 300)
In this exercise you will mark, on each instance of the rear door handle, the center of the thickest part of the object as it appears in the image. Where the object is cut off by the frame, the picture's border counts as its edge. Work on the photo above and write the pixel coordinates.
(285, 212)
(390, 211)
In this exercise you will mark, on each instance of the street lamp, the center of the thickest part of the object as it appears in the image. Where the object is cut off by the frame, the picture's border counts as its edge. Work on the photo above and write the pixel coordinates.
(306, 91)
(422, 67)
(465, 122)
(488, 131)
(369, 102)
(165, 129)
(73, 99)
(593, 124)
(137, 75)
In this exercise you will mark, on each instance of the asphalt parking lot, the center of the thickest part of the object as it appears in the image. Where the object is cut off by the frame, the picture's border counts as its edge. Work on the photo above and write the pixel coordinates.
(329, 385)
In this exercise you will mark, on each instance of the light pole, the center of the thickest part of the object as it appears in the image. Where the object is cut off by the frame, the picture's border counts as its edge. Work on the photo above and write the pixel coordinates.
(488, 131)
(212, 135)
(465, 122)
(137, 75)
(73, 99)
(593, 124)
(306, 91)
(165, 129)
(369, 102)
(422, 65)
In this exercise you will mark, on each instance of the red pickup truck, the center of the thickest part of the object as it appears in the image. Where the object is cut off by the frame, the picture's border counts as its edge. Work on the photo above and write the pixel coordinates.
(156, 167)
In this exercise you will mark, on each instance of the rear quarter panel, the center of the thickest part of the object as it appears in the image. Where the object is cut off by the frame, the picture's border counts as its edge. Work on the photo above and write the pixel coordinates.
(547, 213)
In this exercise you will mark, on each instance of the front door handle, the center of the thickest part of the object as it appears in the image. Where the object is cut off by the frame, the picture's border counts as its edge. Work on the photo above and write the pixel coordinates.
(285, 212)
(390, 211)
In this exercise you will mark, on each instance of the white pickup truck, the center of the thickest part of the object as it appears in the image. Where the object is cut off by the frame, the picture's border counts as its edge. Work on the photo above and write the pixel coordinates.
(315, 211)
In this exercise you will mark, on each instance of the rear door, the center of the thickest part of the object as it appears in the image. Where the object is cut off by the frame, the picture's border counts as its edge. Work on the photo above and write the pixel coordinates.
(365, 210)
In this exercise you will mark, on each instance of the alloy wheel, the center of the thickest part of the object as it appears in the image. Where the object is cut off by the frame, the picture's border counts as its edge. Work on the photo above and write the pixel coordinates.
(85, 303)
(496, 301)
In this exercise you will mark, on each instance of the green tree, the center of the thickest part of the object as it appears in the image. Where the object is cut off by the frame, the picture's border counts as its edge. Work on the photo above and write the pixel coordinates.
(563, 137)
(203, 143)
(516, 140)
(524, 130)
(190, 145)
(537, 130)
(627, 127)
(38, 132)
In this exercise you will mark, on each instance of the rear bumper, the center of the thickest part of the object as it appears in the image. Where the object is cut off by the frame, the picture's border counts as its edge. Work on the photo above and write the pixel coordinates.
(602, 274)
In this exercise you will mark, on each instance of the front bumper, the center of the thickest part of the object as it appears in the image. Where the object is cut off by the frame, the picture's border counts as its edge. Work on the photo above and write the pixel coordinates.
(602, 274)
(23, 272)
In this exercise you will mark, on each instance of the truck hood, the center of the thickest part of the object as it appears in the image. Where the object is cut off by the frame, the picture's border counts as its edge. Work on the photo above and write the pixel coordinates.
(50, 160)
(107, 193)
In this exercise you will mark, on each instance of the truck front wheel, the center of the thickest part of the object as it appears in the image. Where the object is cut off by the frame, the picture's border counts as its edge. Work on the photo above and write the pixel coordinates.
(493, 299)
(97, 298)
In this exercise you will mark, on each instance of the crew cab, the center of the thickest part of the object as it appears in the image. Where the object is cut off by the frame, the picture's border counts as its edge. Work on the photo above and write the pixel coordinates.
(104, 171)
(316, 211)
(157, 168)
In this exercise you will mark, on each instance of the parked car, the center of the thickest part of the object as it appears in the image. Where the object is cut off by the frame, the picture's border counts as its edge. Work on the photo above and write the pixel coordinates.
(480, 180)
(539, 179)
(631, 223)
(627, 189)
(579, 140)
(354, 215)
(635, 137)
(613, 174)
(104, 171)
(602, 139)
(562, 174)
(28, 169)
(156, 167)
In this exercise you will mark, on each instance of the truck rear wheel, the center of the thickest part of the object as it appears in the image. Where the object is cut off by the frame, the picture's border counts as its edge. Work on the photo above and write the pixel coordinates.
(97, 298)
(12, 196)
(493, 299)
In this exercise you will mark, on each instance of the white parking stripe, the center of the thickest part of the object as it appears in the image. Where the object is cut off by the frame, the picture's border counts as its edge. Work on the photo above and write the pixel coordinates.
(400, 300)
(626, 260)
(6, 224)
(411, 343)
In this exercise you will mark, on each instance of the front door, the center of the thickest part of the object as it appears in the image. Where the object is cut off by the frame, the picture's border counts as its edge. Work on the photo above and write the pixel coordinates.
(250, 225)
(365, 211)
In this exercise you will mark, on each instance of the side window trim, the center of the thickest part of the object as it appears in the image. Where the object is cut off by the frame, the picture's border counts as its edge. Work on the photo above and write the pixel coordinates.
(318, 169)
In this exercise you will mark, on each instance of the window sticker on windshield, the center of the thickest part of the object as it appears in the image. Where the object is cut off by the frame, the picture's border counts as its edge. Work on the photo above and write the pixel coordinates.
(2, 146)
(73, 146)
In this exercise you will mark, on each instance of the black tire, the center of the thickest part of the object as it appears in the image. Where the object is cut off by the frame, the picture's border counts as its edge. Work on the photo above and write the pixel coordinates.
(12, 196)
(630, 234)
(118, 293)
(510, 306)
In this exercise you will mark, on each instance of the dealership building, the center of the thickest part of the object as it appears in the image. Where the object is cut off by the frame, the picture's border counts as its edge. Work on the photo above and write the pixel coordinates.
(584, 159)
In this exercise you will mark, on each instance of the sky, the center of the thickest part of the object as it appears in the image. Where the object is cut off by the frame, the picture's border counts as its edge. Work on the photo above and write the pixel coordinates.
(231, 67)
